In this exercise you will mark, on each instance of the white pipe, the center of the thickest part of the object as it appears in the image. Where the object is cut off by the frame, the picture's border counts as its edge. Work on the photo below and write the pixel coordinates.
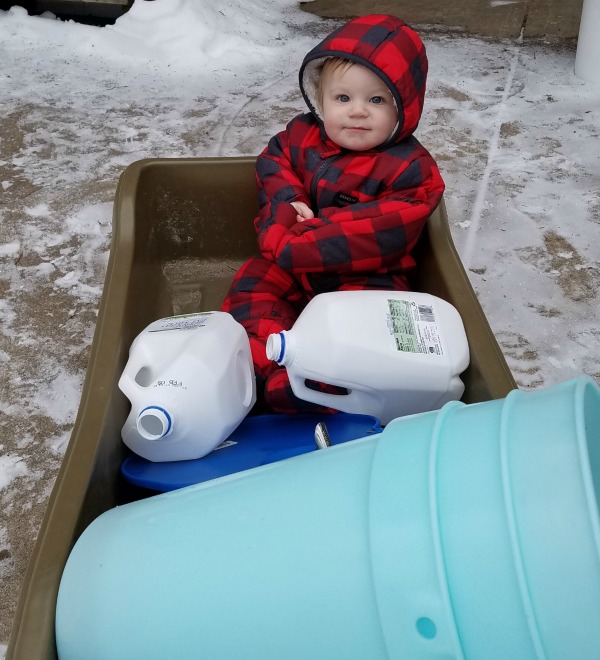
(587, 59)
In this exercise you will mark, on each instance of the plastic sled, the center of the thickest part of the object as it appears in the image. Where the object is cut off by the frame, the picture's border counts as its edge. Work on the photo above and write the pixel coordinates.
(181, 228)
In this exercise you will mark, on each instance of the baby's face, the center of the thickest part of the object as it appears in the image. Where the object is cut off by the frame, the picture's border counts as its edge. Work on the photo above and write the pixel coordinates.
(358, 110)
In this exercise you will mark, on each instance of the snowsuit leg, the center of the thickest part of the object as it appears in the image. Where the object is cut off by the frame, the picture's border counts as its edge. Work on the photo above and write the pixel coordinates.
(266, 299)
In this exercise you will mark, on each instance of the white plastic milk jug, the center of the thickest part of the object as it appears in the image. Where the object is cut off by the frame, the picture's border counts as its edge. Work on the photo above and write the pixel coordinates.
(396, 352)
(190, 380)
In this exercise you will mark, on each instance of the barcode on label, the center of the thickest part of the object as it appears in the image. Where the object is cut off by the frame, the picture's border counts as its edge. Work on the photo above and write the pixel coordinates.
(413, 327)
(426, 313)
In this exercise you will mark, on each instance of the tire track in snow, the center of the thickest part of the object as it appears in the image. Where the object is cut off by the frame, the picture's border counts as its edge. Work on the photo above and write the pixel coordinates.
(493, 151)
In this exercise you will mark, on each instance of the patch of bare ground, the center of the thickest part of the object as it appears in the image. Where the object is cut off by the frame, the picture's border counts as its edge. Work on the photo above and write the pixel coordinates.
(578, 280)
(522, 358)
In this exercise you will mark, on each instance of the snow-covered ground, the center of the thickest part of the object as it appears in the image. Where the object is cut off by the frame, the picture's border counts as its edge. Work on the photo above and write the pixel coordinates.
(514, 131)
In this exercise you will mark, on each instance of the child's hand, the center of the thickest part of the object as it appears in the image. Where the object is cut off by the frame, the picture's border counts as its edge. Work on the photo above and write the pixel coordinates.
(303, 210)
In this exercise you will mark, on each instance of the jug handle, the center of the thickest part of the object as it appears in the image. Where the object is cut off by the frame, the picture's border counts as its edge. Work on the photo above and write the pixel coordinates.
(323, 398)
(127, 382)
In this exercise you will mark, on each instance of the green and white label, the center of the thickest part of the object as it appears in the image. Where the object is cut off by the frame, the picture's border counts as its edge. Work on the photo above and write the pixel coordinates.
(414, 328)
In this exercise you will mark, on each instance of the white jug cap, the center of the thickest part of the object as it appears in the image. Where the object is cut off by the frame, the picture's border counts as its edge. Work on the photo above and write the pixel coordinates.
(276, 347)
(154, 423)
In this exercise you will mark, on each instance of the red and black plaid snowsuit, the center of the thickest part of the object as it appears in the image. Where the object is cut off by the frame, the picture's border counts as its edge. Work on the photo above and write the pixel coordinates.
(370, 206)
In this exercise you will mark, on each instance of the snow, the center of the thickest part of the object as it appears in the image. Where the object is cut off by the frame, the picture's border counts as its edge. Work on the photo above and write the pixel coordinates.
(514, 131)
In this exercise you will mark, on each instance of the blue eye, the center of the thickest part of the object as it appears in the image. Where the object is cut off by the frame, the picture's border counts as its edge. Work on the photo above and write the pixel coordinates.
(377, 100)
(344, 98)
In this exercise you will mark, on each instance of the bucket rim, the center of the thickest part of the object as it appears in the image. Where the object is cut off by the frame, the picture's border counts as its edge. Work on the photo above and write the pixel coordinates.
(583, 385)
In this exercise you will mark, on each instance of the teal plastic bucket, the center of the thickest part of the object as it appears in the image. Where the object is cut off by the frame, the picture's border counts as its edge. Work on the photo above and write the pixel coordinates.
(470, 532)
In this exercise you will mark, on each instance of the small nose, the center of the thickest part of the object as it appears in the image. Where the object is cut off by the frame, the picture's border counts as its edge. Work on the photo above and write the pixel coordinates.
(358, 109)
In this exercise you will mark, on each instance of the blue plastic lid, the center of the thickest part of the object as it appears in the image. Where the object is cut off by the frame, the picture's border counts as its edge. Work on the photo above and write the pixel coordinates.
(258, 440)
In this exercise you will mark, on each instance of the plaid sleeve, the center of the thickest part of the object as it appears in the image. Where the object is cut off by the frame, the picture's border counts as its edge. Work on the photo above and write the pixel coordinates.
(278, 185)
(364, 236)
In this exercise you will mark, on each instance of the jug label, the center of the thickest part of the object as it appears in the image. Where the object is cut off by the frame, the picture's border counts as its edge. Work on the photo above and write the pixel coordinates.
(182, 322)
(413, 327)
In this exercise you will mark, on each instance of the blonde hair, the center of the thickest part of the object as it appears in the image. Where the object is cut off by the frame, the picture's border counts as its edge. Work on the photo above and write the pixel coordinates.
(326, 70)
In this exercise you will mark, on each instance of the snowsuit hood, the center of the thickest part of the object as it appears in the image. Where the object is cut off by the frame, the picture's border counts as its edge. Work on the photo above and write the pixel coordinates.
(387, 46)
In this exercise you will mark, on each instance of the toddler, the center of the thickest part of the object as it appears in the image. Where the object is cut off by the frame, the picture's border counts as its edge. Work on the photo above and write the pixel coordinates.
(344, 191)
